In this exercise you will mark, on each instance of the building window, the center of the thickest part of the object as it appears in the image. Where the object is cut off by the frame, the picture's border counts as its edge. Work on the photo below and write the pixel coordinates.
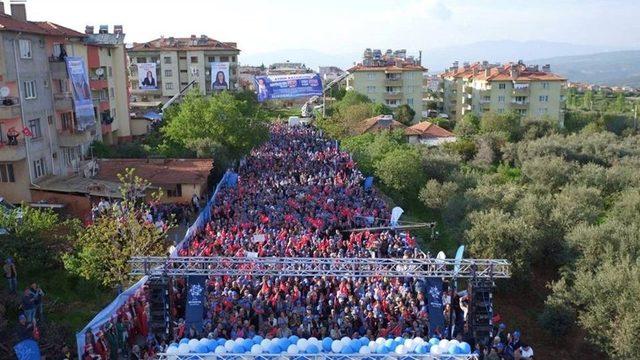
(67, 121)
(542, 111)
(544, 98)
(30, 89)
(57, 49)
(6, 173)
(410, 102)
(111, 93)
(70, 154)
(34, 126)
(194, 59)
(155, 60)
(110, 71)
(175, 193)
(167, 59)
(211, 59)
(39, 168)
(233, 59)
(183, 58)
(501, 98)
(371, 89)
(371, 76)
(25, 48)
(545, 85)
(521, 111)
(168, 86)
(502, 86)
(168, 73)
(224, 59)
(142, 60)
(501, 110)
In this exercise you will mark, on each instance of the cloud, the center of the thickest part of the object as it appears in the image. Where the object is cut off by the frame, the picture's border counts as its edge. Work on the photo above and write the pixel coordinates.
(432, 9)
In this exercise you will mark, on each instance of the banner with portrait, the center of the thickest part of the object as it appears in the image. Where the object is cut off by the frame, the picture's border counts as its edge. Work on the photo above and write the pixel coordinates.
(219, 76)
(82, 103)
(147, 76)
(288, 86)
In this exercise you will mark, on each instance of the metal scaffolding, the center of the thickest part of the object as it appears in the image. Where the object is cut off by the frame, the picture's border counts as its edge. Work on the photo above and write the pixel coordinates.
(311, 267)
(321, 356)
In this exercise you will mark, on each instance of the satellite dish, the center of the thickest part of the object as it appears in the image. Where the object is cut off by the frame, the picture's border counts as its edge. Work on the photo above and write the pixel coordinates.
(99, 71)
(4, 91)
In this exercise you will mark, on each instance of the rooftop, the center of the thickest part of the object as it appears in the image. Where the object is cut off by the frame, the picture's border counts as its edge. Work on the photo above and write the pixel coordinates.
(502, 72)
(158, 171)
(191, 43)
(428, 129)
(9, 23)
(391, 68)
(378, 123)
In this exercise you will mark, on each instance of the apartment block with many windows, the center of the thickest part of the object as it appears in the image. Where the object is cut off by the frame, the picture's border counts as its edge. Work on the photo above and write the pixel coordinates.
(391, 79)
(179, 61)
(530, 91)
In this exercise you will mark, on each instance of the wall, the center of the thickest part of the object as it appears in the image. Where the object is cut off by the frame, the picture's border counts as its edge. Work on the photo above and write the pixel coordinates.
(139, 126)
(17, 191)
(77, 205)
(174, 78)
(411, 87)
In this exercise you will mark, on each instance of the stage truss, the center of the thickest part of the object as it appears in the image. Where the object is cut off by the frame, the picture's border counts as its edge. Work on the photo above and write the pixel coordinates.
(314, 267)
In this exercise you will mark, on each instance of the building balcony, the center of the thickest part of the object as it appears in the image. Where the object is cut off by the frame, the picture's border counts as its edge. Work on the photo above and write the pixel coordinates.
(98, 84)
(521, 91)
(485, 101)
(69, 138)
(10, 108)
(12, 151)
(57, 68)
(63, 101)
(393, 81)
(393, 95)
(519, 103)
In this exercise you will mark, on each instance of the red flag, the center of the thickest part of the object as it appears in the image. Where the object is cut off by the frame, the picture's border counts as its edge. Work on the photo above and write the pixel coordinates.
(27, 132)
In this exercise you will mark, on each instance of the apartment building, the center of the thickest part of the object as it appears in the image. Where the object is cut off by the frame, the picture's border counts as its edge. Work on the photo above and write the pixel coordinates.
(391, 79)
(47, 118)
(160, 68)
(531, 91)
(107, 62)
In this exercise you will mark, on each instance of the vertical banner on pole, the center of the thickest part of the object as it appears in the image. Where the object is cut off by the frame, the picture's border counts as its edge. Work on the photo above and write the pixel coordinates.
(434, 296)
(195, 301)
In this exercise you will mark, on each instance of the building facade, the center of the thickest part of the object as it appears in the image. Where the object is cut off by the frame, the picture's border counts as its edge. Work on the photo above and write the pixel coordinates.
(40, 135)
(178, 62)
(391, 79)
(530, 91)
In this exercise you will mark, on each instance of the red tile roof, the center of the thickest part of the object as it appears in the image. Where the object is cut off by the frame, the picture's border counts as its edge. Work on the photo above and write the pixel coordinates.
(165, 43)
(9, 23)
(476, 71)
(428, 129)
(158, 171)
(59, 30)
(373, 124)
(361, 67)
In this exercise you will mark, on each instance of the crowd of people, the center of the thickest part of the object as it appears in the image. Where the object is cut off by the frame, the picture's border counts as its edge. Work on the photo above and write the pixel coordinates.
(295, 195)
(126, 335)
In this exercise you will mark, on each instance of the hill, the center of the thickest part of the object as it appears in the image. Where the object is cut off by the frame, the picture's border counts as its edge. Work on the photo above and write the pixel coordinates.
(606, 68)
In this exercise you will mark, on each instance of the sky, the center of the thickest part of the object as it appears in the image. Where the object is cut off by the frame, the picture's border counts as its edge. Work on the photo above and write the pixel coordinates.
(340, 26)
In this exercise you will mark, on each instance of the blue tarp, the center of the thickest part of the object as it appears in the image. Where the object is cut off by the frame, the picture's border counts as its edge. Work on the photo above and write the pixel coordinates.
(27, 350)
(105, 315)
(152, 115)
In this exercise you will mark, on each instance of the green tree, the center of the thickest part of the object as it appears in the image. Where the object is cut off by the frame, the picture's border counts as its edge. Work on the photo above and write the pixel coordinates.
(587, 100)
(508, 123)
(620, 104)
(102, 250)
(382, 109)
(436, 195)
(467, 126)
(404, 114)
(351, 98)
(549, 171)
(218, 120)
(399, 170)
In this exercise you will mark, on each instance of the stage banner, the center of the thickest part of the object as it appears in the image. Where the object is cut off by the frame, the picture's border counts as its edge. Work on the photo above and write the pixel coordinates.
(288, 86)
(147, 76)
(434, 296)
(82, 103)
(219, 76)
(196, 286)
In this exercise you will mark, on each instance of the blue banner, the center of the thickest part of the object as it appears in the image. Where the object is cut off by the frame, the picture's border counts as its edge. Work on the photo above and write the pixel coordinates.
(27, 350)
(82, 103)
(436, 308)
(196, 285)
(368, 183)
(288, 86)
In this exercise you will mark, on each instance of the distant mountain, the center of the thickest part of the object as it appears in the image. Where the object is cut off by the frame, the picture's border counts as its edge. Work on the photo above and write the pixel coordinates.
(608, 68)
(439, 59)
(309, 57)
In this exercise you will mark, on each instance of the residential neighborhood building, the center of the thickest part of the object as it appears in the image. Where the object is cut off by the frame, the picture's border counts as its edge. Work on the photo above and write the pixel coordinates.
(287, 68)
(531, 91)
(377, 124)
(392, 79)
(429, 134)
(41, 133)
(176, 63)
(330, 73)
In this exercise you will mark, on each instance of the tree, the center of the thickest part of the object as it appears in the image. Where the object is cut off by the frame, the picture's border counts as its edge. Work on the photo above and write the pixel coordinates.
(217, 119)
(404, 114)
(436, 195)
(549, 171)
(620, 104)
(382, 109)
(351, 98)
(399, 171)
(587, 100)
(468, 125)
(102, 249)
(508, 123)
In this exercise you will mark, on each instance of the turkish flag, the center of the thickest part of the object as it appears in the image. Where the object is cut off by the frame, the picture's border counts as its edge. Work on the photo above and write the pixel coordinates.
(27, 132)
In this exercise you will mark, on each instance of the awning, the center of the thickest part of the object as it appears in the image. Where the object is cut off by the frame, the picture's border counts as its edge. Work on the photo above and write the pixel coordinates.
(152, 115)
